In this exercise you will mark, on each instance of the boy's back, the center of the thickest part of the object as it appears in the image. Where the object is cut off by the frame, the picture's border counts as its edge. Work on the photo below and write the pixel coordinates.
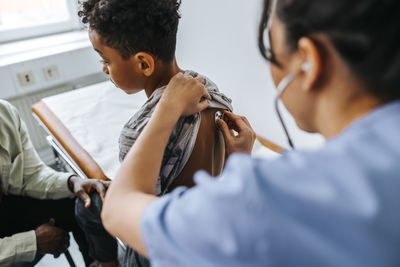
(209, 147)
(195, 143)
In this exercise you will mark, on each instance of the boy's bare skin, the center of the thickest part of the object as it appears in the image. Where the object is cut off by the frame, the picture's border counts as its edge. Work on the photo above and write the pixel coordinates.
(208, 153)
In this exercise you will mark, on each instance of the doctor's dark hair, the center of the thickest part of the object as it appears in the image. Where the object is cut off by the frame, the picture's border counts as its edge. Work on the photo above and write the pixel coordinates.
(365, 33)
(132, 26)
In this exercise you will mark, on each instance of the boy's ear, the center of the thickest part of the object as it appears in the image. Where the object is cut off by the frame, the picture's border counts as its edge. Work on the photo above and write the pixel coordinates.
(146, 63)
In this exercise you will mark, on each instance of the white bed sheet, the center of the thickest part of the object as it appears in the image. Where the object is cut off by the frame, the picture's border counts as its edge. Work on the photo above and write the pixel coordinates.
(95, 116)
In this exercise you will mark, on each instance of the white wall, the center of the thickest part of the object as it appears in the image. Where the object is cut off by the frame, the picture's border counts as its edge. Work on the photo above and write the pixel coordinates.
(218, 38)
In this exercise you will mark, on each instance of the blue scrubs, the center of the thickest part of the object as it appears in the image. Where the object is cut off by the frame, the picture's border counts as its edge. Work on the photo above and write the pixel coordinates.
(339, 206)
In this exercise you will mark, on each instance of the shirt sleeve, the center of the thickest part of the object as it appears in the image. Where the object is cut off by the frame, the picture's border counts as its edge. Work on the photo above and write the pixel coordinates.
(39, 180)
(259, 212)
(185, 227)
(17, 248)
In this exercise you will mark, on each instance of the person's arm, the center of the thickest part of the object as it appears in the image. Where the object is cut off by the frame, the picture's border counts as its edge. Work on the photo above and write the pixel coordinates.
(38, 180)
(17, 248)
(136, 179)
(41, 181)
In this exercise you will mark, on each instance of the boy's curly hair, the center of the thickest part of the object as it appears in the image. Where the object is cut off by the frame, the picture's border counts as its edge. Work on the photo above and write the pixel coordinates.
(132, 26)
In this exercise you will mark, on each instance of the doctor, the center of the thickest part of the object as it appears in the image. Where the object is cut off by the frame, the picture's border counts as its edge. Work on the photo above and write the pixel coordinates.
(336, 64)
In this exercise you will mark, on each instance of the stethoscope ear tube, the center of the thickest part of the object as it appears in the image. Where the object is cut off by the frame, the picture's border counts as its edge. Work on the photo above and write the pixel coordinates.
(283, 123)
(281, 88)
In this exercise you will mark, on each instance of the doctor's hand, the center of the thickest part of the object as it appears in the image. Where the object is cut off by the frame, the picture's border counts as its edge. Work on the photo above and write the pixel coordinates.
(186, 95)
(83, 187)
(241, 141)
(51, 239)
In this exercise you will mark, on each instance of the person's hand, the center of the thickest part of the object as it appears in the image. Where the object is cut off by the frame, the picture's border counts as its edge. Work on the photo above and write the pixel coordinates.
(51, 239)
(83, 187)
(186, 94)
(244, 140)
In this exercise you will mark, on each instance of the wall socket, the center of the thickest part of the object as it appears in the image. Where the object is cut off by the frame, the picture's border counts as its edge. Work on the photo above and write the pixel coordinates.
(51, 73)
(26, 78)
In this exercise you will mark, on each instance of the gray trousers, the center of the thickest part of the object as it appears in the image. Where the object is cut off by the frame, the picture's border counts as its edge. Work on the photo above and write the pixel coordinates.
(102, 246)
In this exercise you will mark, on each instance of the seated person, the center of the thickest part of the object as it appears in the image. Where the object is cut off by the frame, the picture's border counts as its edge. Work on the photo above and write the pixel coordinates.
(36, 202)
(136, 40)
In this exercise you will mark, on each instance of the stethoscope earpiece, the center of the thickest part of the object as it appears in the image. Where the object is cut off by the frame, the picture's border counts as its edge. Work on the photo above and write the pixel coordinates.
(306, 66)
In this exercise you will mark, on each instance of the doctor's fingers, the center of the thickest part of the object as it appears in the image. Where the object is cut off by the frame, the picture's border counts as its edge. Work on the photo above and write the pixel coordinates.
(226, 131)
(246, 136)
(187, 91)
(201, 80)
(194, 99)
(243, 142)
(237, 122)
(229, 119)
(181, 76)
(229, 137)
(245, 120)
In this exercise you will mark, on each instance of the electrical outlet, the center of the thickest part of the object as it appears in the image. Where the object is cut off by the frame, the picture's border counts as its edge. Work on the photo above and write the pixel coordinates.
(26, 78)
(51, 73)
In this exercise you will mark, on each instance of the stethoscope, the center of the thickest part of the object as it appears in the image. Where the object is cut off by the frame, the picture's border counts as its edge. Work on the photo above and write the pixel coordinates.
(280, 89)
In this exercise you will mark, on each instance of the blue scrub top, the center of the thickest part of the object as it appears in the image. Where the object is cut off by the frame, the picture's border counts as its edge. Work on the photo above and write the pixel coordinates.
(339, 206)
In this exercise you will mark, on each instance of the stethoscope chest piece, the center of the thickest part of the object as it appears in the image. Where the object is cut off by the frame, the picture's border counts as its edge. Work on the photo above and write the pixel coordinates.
(218, 116)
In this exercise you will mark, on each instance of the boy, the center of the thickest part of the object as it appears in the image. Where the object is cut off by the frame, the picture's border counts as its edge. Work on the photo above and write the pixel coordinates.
(136, 40)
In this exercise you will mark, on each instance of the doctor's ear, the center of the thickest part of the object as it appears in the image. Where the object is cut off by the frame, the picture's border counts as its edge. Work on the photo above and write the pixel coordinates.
(145, 63)
(312, 66)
